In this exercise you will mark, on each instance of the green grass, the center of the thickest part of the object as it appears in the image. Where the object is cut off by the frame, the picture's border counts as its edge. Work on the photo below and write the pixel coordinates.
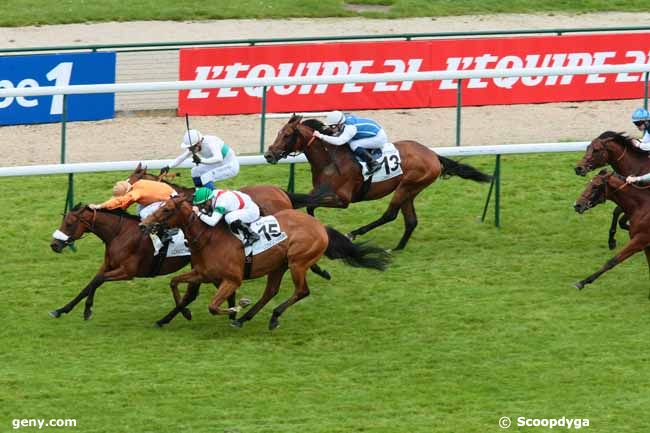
(39, 12)
(469, 324)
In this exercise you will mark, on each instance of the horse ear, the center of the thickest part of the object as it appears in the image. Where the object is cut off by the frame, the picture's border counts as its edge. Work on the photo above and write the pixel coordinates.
(139, 167)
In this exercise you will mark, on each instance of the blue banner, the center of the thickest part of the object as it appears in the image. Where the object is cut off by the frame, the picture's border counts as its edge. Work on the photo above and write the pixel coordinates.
(56, 70)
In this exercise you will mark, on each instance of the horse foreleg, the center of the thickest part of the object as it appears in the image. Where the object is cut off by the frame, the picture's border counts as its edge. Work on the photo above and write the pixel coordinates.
(97, 281)
(272, 286)
(630, 249)
(226, 290)
(117, 274)
(301, 291)
(611, 241)
(177, 300)
(410, 222)
(190, 295)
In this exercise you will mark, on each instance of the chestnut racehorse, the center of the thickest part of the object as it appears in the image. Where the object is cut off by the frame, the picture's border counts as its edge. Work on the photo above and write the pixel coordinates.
(617, 150)
(218, 256)
(269, 198)
(635, 202)
(337, 179)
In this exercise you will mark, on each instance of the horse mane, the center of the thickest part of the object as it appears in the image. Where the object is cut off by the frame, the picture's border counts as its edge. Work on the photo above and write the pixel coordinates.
(315, 124)
(624, 140)
(116, 212)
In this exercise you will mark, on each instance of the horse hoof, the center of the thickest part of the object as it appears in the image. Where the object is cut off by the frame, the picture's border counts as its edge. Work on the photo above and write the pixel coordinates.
(159, 324)
(579, 286)
(326, 275)
(352, 236)
(186, 313)
(55, 313)
(88, 315)
(244, 302)
(236, 324)
(612, 245)
(273, 324)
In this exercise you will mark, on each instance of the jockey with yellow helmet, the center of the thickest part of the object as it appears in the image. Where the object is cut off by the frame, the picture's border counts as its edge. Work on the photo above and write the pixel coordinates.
(148, 194)
(361, 133)
(214, 159)
(237, 208)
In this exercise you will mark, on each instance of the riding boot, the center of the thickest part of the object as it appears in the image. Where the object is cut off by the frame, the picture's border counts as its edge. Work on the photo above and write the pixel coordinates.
(250, 236)
(373, 165)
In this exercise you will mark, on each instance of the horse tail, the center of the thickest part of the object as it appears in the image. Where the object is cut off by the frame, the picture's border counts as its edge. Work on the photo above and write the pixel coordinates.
(359, 255)
(451, 168)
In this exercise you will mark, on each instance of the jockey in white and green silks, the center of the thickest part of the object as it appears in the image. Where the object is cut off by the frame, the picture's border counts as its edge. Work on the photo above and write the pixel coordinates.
(214, 159)
(237, 208)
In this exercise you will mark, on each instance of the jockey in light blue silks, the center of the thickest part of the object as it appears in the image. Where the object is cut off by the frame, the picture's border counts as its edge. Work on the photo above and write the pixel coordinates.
(641, 119)
(214, 159)
(361, 133)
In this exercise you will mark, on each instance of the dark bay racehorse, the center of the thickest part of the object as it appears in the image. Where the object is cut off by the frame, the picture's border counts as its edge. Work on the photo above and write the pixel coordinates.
(337, 180)
(218, 256)
(617, 150)
(128, 254)
(635, 202)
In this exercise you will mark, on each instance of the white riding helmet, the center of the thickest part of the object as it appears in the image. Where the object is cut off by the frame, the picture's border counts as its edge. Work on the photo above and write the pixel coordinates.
(335, 118)
(190, 138)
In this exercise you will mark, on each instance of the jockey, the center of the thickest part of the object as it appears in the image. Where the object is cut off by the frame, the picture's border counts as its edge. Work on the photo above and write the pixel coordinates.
(641, 119)
(214, 159)
(148, 194)
(361, 133)
(237, 208)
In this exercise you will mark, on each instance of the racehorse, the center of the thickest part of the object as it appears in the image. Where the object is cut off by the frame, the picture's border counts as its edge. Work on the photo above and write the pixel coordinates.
(128, 254)
(337, 180)
(617, 150)
(635, 202)
(218, 256)
(269, 198)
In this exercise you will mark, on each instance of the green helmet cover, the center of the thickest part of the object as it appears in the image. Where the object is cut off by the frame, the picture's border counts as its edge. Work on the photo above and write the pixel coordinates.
(202, 195)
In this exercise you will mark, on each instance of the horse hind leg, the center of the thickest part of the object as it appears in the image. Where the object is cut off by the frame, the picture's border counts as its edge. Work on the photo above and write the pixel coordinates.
(272, 286)
(190, 295)
(388, 216)
(611, 241)
(298, 274)
(410, 222)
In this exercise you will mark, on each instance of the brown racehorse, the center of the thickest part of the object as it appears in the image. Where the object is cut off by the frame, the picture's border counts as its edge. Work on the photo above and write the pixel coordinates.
(617, 150)
(269, 198)
(337, 179)
(218, 256)
(129, 253)
(635, 202)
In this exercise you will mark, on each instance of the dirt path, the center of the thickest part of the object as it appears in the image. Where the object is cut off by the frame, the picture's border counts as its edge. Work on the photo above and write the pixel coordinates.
(126, 138)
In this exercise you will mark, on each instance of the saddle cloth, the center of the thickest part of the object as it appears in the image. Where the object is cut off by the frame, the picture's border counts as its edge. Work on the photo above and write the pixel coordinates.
(177, 246)
(268, 228)
(388, 157)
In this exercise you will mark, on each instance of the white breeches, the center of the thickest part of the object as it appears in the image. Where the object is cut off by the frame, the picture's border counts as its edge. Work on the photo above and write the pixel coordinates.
(225, 169)
(145, 211)
(250, 213)
(376, 142)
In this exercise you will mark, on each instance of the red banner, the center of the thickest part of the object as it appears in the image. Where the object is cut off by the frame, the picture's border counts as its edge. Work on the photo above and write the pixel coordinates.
(412, 56)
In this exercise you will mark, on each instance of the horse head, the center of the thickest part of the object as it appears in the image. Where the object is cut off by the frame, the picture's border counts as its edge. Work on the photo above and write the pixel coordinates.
(599, 189)
(596, 154)
(294, 137)
(75, 223)
(173, 213)
(140, 172)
